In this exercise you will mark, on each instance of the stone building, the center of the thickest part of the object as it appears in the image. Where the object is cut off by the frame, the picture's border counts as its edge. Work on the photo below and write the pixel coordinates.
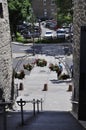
(5, 53)
(79, 80)
(44, 9)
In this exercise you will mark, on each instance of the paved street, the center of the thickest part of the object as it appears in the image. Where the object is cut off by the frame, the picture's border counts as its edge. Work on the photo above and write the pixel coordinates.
(57, 49)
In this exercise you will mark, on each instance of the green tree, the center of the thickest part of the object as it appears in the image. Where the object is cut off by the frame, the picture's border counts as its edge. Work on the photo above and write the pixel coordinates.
(64, 11)
(64, 5)
(18, 11)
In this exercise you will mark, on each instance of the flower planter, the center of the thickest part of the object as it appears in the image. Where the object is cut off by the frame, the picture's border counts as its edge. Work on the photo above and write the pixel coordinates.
(53, 67)
(28, 67)
(20, 75)
(64, 76)
(41, 62)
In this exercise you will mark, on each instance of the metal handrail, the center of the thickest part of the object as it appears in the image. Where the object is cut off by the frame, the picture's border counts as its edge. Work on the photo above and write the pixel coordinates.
(4, 104)
(22, 103)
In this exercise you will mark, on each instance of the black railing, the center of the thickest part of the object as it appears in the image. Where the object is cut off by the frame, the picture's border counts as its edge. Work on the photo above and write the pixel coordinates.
(37, 107)
(35, 103)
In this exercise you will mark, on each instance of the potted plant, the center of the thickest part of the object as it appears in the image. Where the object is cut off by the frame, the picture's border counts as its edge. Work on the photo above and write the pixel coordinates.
(28, 67)
(20, 75)
(53, 67)
(41, 62)
(64, 76)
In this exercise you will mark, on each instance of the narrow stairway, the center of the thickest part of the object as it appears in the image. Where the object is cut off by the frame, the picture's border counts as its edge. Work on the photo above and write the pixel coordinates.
(52, 120)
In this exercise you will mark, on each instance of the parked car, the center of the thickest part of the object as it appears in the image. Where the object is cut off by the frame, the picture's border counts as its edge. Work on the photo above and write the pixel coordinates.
(69, 36)
(35, 34)
(48, 34)
(60, 33)
(27, 35)
(52, 24)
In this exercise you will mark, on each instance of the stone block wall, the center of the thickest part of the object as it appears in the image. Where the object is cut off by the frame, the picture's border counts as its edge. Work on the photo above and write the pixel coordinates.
(5, 54)
(79, 19)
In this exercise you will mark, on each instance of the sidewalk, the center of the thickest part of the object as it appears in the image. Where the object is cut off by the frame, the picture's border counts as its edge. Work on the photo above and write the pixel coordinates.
(56, 98)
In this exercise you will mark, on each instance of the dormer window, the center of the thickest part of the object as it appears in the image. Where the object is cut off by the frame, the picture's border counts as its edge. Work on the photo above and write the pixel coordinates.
(1, 10)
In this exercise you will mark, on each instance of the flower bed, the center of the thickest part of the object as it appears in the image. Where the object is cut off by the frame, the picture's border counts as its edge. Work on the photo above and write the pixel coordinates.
(41, 62)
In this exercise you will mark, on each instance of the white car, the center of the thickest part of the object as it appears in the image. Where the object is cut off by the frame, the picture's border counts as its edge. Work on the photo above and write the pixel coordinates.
(60, 33)
(69, 35)
(48, 34)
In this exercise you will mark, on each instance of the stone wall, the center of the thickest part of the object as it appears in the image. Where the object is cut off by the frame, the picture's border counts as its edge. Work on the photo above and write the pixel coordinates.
(79, 19)
(5, 54)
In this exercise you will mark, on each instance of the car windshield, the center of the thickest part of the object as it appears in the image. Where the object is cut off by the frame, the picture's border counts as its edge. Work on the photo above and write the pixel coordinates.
(48, 32)
(60, 31)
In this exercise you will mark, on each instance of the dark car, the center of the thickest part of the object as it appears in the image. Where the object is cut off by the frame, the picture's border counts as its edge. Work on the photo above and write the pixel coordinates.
(27, 35)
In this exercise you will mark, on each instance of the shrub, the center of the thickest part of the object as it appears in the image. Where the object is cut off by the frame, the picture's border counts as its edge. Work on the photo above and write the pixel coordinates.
(20, 75)
(41, 62)
(56, 40)
(20, 38)
(64, 76)
(53, 67)
(28, 67)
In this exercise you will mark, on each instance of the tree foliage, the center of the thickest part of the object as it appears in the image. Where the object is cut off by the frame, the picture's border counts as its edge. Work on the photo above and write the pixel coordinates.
(18, 11)
(65, 12)
(64, 5)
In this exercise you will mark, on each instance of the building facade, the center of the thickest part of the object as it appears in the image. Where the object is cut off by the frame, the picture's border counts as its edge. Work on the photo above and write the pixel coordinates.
(5, 53)
(44, 9)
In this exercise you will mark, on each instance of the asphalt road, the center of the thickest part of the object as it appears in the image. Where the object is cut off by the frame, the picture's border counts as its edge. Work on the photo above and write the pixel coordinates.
(48, 49)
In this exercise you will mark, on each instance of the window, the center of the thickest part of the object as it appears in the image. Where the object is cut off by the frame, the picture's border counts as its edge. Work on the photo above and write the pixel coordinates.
(1, 10)
(44, 2)
(52, 11)
(52, 2)
(45, 12)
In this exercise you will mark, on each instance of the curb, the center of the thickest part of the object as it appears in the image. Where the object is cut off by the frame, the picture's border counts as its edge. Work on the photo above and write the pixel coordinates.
(22, 44)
